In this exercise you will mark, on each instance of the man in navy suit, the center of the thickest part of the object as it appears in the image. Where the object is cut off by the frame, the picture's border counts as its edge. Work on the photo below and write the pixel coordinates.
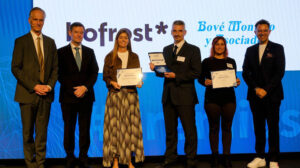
(263, 70)
(77, 74)
(179, 94)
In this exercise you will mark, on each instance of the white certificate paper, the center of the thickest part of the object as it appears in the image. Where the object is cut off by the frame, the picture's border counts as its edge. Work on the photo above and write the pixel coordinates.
(157, 58)
(223, 79)
(129, 77)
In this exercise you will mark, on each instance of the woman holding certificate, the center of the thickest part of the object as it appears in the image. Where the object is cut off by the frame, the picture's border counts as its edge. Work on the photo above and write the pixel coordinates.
(219, 102)
(122, 121)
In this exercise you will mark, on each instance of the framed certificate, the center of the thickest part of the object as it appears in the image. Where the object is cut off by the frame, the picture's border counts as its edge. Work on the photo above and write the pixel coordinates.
(129, 77)
(223, 79)
(157, 58)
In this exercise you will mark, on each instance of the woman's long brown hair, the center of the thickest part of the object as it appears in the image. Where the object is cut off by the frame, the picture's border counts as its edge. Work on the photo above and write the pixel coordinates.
(116, 46)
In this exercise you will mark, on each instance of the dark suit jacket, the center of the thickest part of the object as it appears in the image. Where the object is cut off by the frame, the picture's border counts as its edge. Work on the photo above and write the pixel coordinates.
(69, 75)
(182, 89)
(25, 67)
(266, 75)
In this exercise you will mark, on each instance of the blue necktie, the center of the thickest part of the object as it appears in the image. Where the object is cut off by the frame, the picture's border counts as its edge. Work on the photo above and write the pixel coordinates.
(77, 58)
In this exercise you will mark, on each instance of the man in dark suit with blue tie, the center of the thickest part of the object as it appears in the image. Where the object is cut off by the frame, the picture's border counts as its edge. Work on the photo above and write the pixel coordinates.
(263, 70)
(179, 94)
(34, 65)
(78, 71)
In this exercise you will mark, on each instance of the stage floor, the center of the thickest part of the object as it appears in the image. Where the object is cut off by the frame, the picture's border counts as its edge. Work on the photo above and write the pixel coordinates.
(290, 160)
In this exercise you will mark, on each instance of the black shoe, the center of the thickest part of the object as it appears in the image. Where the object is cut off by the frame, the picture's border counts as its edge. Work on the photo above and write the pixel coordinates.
(70, 162)
(43, 166)
(227, 161)
(191, 163)
(166, 164)
(214, 160)
(84, 164)
(138, 165)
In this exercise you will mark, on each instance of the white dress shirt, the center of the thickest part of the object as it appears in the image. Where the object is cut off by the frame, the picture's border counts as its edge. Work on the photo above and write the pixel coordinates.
(34, 36)
(262, 48)
(179, 45)
(74, 51)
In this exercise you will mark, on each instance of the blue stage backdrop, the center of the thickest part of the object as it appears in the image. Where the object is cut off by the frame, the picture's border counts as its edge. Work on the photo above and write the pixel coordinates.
(13, 23)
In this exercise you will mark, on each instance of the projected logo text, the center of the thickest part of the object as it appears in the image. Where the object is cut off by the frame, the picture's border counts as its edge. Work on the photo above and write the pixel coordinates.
(230, 26)
(137, 34)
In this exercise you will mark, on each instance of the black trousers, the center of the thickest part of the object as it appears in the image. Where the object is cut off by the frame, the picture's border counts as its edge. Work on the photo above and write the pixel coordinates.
(70, 112)
(215, 112)
(265, 110)
(187, 117)
(35, 117)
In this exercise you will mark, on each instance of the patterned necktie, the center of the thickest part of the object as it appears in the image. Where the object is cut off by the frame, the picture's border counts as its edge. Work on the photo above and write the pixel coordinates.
(41, 59)
(77, 58)
(175, 51)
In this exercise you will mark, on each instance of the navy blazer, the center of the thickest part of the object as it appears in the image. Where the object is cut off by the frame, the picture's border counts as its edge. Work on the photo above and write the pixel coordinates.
(69, 75)
(182, 89)
(268, 74)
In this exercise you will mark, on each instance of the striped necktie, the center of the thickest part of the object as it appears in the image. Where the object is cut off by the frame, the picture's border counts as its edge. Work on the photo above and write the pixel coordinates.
(41, 59)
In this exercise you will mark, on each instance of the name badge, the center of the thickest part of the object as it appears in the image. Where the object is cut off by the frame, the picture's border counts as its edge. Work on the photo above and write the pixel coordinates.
(180, 58)
(229, 65)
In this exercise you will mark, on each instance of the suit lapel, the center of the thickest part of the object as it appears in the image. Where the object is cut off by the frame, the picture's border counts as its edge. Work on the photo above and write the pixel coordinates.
(46, 49)
(72, 58)
(256, 58)
(169, 58)
(32, 47)
(83, 60)
(181, 51)
(267, 51)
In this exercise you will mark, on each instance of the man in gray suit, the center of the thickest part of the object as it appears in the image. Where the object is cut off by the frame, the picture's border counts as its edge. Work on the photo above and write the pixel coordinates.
(35, 66)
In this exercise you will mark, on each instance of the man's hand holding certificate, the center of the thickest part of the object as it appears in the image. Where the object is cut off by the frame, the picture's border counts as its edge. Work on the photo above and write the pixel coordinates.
(129, 77)
(158, 60)
(223, 79)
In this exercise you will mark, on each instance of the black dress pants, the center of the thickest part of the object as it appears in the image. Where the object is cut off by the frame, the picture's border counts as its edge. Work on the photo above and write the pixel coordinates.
(186, 113)
(266, 110)
(70, 112)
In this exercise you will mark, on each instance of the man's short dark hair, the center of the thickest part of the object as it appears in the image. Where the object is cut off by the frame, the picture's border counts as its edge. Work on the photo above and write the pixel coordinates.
(178, 22)
(76, 24)
(37, 8)
(262, 21)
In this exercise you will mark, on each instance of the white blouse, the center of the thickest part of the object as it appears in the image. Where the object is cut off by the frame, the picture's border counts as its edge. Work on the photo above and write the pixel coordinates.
(124, 58)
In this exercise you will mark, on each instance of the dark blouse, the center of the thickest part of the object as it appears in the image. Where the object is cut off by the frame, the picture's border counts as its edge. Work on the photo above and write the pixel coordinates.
(220, 95)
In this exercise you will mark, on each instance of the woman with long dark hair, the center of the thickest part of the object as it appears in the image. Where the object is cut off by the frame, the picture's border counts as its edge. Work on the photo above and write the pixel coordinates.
(219, 103)
(122, 120)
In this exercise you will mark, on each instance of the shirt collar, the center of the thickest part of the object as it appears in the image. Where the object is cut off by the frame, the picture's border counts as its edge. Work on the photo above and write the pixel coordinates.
(34, 36)
(264, 44)
(180, 44)
(73, 46)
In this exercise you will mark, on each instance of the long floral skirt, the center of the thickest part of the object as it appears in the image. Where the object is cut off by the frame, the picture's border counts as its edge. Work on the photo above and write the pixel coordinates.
(122, 128)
